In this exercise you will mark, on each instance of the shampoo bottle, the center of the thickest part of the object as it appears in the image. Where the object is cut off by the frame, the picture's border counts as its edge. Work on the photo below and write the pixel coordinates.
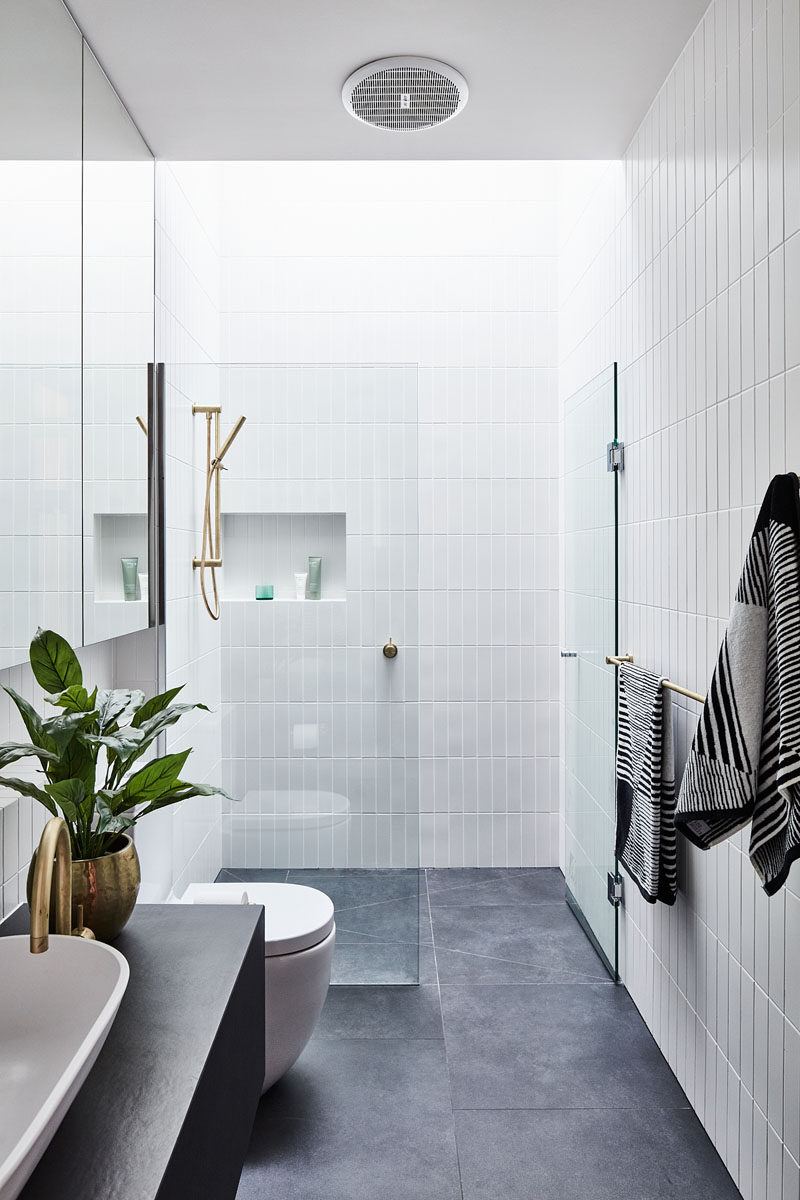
(314, 587)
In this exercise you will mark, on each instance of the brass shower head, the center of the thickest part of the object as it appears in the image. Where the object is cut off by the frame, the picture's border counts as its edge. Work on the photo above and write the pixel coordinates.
(226, 445)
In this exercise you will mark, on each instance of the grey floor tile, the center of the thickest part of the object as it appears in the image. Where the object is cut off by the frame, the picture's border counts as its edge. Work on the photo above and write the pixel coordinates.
(588, 1154)
(446, 877)
(538, 885)
(295, 1160)
(557, 1046)
(350, 888)
(356, 1120)
(367, 1112)
(403, 920)
(370, 962)
(540, 943)
(381, 1012)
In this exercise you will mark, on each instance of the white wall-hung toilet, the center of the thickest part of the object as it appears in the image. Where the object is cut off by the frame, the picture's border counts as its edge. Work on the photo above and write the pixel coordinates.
(300, 936)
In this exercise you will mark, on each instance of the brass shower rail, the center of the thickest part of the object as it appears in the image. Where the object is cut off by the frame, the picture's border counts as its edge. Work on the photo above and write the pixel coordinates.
(211, 552)
(616, 660)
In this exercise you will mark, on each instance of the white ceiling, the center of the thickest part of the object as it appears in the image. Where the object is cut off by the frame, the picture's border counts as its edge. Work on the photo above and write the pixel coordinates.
(40, 82)
(259, 79)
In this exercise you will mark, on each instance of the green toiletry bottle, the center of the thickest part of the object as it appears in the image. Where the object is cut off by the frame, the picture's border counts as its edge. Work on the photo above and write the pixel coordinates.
(314, 584)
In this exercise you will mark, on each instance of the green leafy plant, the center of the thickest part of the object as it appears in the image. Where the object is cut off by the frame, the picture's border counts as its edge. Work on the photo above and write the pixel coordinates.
(98, 732)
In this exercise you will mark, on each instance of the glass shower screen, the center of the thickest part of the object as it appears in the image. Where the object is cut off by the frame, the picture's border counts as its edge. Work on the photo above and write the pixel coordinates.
(320, 727)
(590, 624)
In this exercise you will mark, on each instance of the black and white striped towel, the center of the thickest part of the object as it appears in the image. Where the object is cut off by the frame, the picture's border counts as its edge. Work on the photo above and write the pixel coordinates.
(646, 840)
(745, 759)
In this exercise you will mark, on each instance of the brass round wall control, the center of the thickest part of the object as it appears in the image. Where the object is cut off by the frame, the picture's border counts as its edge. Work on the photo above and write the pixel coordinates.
(390, 650)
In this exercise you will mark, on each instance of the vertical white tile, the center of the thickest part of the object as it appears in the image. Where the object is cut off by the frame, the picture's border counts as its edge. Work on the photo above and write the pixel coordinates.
(723, 961)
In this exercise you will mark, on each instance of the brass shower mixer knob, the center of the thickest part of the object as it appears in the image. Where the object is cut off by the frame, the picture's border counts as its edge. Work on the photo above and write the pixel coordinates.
(390, 650)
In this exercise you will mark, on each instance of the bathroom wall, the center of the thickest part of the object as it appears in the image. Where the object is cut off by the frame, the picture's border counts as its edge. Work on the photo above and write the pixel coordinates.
(683, 263)
(40, 427)
(451, 266)
(118, 330)
(182, 845)
(322, 729)
(40, 369)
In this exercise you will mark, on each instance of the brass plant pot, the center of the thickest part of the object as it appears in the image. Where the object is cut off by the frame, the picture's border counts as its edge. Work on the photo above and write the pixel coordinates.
(107, 888)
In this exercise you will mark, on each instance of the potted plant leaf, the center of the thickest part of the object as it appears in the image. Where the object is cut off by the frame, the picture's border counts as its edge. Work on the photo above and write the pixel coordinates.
(89, 751)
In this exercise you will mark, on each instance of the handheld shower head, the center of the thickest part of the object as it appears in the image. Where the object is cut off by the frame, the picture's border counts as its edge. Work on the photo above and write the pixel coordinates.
(226, 445)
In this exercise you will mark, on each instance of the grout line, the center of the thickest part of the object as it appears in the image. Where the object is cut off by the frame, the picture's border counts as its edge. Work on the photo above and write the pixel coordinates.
(377, 903)
(374, 943)
(574, 1108)
(436, 904)
(531, 966)
(504, 873)
(444, 1039)
(557, 981)
(478, 887)
(384, 938)
(375, 1037)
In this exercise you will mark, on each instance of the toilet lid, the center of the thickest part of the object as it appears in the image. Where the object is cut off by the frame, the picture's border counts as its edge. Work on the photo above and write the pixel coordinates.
(296, 917)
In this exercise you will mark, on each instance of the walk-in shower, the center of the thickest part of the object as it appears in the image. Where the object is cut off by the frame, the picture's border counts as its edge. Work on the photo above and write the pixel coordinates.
(320, 727)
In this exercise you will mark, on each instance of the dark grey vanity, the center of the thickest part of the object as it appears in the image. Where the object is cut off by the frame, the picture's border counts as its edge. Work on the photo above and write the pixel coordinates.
(167, 1109)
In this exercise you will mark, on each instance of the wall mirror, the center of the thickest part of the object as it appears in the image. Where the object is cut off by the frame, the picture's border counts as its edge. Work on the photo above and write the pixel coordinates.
(40, 324)
(76, 337)
(118, 331)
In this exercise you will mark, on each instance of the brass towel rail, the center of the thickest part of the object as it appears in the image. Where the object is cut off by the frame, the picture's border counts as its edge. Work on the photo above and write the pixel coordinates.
(616, 660)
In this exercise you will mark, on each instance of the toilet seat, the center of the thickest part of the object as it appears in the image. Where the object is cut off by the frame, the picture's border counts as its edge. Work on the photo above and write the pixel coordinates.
(297, 917)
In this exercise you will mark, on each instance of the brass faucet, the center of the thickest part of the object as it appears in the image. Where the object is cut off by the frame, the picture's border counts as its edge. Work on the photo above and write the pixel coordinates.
(53, 846)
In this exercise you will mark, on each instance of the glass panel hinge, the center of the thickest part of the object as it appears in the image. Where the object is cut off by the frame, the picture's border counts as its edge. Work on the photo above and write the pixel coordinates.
(615, 456)
(616, 893)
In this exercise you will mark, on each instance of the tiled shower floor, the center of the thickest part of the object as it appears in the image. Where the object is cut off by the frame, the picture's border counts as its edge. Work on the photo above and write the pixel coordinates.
(379, 918)
(515, 1071)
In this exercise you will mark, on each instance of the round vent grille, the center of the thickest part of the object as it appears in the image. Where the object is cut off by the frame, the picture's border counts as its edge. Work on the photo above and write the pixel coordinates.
(405, 93)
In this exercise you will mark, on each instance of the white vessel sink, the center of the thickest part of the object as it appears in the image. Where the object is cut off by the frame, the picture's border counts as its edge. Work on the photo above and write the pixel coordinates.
(56, 1010)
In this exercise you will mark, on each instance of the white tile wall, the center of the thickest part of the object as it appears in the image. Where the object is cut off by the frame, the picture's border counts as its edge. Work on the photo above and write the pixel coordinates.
(459, 276)
(683, 263)
(117, 345)
(40, 418)
(118, 262)
(42, 286)
(320, 731)
(185, 845)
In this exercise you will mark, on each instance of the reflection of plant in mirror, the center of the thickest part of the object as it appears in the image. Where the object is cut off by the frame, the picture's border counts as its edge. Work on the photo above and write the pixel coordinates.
(105, 730)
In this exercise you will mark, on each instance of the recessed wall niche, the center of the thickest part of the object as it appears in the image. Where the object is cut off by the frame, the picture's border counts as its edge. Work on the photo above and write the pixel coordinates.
(268, 548)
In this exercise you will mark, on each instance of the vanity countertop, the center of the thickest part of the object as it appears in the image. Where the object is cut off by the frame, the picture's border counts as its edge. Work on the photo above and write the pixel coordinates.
(167, 1109)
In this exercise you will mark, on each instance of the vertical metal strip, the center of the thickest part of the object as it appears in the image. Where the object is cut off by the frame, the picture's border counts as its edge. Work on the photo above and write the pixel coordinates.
(616, 651)
(216, 549)
(82, 367)
(161, 507)
(155, 493)
(152, 499)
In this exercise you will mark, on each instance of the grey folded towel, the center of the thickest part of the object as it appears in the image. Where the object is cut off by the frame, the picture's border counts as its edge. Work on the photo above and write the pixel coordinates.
(745, 758)
(646, 840)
